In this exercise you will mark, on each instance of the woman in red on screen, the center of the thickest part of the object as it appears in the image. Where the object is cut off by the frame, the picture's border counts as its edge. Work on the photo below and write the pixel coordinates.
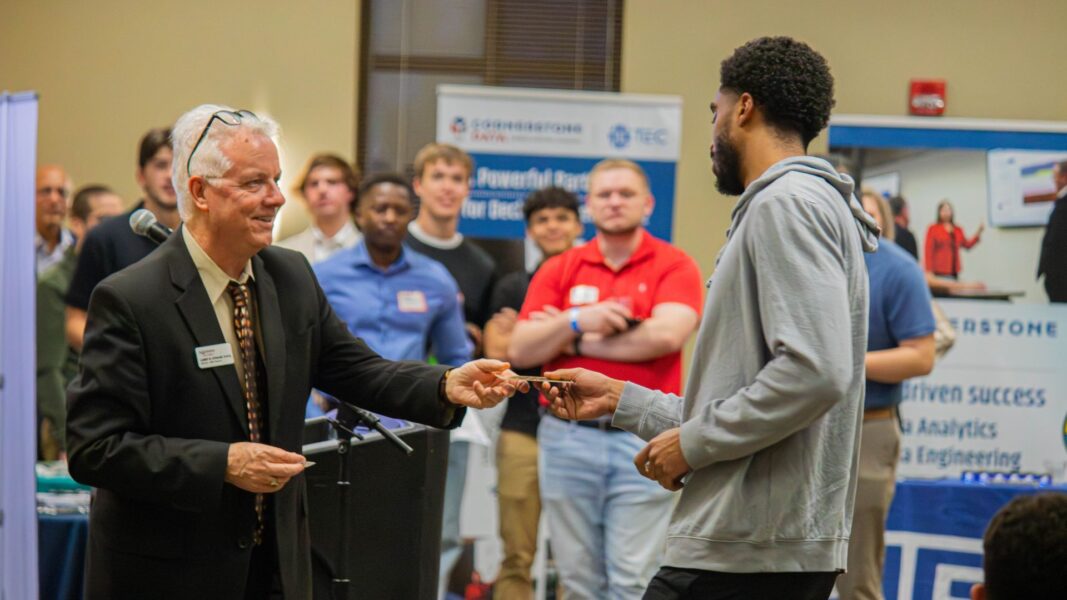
(943, 241)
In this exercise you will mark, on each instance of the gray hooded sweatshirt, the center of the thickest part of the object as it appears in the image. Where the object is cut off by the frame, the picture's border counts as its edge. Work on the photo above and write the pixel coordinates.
(771, 419)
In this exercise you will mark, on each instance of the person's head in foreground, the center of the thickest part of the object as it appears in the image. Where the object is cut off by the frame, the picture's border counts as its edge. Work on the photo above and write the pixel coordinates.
(1025, 550)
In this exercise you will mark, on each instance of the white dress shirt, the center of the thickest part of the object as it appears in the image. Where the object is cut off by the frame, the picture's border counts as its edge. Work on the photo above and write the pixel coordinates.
(317, 247)
(215, 282)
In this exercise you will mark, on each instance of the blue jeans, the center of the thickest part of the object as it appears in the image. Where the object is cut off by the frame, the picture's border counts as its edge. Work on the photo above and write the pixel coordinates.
(455, 481)
(607, 524)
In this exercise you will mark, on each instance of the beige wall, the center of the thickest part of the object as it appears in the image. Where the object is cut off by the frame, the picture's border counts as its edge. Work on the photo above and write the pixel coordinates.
(1001, 60)
(108, 70)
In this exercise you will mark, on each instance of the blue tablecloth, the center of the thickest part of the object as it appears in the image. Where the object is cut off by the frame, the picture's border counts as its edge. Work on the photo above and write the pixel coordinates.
(61, 541)
(934, 536)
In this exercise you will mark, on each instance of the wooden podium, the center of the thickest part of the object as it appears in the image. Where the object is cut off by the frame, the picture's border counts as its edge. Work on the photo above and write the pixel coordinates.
(395, 503)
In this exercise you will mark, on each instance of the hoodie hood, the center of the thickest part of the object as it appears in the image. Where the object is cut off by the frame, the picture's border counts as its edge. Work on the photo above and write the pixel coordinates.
(866, 226)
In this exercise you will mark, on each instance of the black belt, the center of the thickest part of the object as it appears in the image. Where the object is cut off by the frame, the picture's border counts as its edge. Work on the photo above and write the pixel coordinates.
(605, 426)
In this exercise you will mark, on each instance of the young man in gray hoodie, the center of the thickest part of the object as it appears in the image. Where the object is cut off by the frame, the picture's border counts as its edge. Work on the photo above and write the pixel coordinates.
(765, 444)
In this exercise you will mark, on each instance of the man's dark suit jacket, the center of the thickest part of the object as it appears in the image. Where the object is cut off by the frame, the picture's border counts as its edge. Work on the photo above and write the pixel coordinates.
(150, 429)
(1053, 261)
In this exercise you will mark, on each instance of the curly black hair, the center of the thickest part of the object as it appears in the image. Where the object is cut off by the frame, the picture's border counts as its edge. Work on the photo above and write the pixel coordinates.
(789, 81)
(549, 197)
(1025, 549)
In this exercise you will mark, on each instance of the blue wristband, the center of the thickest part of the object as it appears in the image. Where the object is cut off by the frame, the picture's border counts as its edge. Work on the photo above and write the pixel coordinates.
(574, 320)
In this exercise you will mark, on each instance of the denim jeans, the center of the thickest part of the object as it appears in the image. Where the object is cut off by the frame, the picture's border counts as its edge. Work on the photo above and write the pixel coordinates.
(607, 524)
(455, 481)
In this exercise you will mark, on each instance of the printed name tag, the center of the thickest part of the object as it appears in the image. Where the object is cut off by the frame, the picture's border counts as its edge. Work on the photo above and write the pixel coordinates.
(411, 302)
(209, 357)
(584, 294)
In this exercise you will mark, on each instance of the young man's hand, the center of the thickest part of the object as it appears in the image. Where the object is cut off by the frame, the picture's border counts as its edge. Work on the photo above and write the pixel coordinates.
(662, 460)
(587, 395)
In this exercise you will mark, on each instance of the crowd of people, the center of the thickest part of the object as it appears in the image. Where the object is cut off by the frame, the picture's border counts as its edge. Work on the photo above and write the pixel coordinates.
(780, 492)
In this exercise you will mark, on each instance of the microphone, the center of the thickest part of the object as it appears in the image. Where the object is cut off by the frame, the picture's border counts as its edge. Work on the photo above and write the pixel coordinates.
(144, 224)
(347, 410)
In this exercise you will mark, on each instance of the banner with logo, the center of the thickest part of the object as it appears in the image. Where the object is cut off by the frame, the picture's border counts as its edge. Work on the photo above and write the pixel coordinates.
(522, 140)
(997, 402)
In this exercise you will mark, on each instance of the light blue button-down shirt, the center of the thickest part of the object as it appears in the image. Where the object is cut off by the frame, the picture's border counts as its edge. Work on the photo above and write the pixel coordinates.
(46, 259)
(400, 311)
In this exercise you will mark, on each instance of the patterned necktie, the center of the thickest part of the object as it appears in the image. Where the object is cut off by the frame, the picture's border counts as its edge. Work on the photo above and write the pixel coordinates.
(246, 341)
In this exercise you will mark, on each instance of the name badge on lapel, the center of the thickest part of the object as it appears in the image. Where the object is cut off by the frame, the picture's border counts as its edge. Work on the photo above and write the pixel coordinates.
(218, 355)
(411, 302)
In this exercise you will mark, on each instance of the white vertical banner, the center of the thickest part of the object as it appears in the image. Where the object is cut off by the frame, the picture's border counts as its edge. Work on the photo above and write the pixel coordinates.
(998, 401)
(523, 140)
(18, 401)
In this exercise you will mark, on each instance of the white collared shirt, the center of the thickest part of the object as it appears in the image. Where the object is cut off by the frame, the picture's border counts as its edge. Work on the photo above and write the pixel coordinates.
(317, 247)
(215, 282)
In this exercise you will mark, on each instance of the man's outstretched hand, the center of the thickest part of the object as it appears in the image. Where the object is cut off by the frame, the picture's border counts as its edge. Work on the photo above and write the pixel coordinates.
(587, 395)
(482, 383)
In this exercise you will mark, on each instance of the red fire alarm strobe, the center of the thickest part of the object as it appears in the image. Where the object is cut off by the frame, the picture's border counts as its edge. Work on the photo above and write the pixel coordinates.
(927, 97)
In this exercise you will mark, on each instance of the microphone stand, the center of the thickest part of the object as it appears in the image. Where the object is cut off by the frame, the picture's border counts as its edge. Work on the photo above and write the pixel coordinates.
(372, 421)
(344, 442)
(340, 581)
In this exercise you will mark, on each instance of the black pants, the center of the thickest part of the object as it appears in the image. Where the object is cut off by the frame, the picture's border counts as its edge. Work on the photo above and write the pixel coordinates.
(678, 584)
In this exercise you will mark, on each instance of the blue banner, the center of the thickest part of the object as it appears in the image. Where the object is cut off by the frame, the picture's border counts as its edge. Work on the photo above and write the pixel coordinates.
(500, 184)
(524, 140)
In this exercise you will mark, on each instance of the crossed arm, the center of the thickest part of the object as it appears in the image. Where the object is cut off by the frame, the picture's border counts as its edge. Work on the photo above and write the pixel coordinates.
(606, 334)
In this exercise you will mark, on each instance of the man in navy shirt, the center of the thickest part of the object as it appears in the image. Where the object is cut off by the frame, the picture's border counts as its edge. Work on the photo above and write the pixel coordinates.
(900, 345)
(398, 301)
(113, 246)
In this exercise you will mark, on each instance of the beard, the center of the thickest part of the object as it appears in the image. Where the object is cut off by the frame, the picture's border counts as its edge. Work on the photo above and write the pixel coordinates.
(726, 164)
(625, 229)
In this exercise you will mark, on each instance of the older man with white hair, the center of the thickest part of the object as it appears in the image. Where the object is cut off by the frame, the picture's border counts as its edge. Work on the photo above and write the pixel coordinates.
(188, 409)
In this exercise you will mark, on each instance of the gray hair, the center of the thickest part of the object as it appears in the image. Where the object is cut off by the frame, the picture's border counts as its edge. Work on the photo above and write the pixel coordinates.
(209, 159)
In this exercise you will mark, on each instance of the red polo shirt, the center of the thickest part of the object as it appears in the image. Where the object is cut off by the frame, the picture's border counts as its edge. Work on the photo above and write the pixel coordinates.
(656, 273)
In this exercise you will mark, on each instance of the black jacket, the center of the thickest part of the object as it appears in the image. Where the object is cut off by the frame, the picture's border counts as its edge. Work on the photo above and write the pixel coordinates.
(1053, 261)
(150, 429)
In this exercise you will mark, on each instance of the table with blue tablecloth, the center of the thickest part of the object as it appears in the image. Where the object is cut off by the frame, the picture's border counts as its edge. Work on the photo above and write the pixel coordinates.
(62, 532)
(934, 536)
(61, 542)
